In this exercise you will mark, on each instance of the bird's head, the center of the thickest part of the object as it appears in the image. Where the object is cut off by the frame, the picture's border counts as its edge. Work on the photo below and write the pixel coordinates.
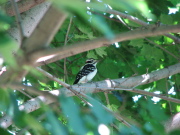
(92, 61)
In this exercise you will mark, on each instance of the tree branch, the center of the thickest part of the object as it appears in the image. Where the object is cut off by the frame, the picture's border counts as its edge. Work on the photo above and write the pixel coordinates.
(30, 19)
(66, 51)
(23, 6)
(18, 19)
(150, 41)
(63, 84)
(45, 30)
(177, 58)
(102, 86)
(65, 43)
(136, 20)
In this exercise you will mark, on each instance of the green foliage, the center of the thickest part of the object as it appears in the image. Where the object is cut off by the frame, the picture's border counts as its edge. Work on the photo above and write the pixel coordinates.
(5, 21)
(53, 125)
(4, 99)
(72, 112)
(166, 19)
(120, 60)
(6, 47)
(105, 68)
(174, 2)
(148, 52)
(137, 42)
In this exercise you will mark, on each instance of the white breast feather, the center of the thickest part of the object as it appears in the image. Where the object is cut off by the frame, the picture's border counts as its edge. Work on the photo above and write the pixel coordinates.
(89, 77)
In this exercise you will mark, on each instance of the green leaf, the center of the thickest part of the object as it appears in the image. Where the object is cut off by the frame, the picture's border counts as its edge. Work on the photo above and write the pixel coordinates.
(113, 107)
(168, 40)
(80, 36)
(4, 99)
(91, 54)
(137, 42)
(166, 19)
(90, 35)
(150, 52)
(101, 114)
(96, 21)
(99, 23)
(108, 69)
(83, 27)
(75, 70)
(71, 111)
(101, 51)
(4, 132)
(34, 124)
(174, 2)
(161, 85)
(177, 78)
(5, 21)
(7, 46)
(53, 124)
(156, 109)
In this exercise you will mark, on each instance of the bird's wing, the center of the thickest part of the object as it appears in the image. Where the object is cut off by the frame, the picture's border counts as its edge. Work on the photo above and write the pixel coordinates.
(83, 72)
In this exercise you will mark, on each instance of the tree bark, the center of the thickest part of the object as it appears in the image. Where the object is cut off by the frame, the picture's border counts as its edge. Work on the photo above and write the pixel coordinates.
(101, 86)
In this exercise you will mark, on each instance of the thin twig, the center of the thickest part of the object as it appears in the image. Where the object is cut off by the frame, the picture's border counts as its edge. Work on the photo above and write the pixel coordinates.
(66, 38)
(138, 21)
(162, 48)
(63, 84)
(18, 19)
(150, 40)
(107, 99)
(23, 92)
(113, 125)
(107, 109)
(105, 89)
(170, 107)
(33, 90)
(82, 94)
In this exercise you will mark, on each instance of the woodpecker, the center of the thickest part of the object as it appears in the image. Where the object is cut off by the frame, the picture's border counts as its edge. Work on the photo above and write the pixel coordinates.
(87, 72)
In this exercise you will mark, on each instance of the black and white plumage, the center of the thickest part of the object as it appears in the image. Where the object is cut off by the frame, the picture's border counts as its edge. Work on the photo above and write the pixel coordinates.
(87, 72)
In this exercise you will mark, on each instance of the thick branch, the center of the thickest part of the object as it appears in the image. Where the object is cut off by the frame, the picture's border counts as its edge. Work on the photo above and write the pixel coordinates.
(40, 38)
(45, 30)
(23, 6)
(102, 86)
(30, 19)
(66, 51)
(138, 21)
(18, 19)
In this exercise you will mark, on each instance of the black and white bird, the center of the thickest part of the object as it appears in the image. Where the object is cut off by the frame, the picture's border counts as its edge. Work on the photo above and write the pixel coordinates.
(87, 72)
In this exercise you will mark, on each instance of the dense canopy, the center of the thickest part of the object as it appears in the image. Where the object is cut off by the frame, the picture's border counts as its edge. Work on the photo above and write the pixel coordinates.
(43, 45)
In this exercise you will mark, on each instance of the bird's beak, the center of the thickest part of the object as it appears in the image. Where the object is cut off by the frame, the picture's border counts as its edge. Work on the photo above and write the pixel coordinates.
(98, 61)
